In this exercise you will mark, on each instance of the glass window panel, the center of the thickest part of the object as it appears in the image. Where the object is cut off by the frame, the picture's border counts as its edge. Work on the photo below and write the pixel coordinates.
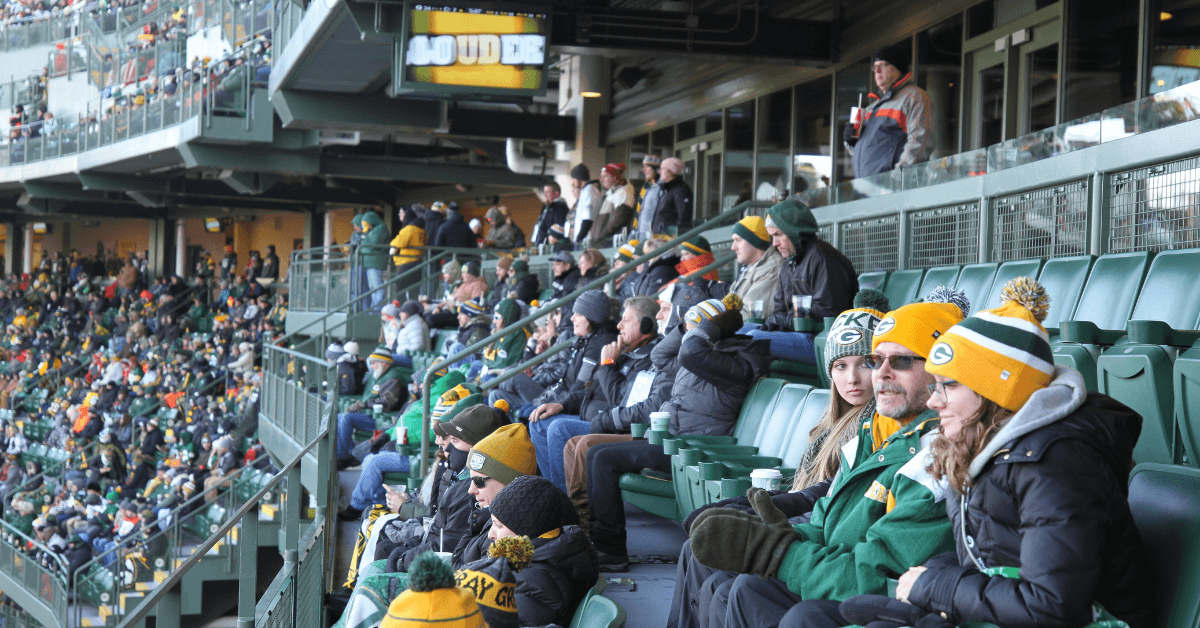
(1042, 83)
(774, 146)
(662, 142)
(617, 154)
(939, 62)
(811, 162)
(1174, 57)
(1100, 66)
(991, 105)
(739, 156)
(854, 83)
(685, 130)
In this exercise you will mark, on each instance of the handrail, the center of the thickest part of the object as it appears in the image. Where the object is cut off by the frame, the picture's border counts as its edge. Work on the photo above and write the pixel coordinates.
(35, 543)
(427, 380)
(517, 369)
(699, 272)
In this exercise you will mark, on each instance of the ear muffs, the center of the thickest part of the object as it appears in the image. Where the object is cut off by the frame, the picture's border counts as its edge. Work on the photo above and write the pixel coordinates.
(648, 325)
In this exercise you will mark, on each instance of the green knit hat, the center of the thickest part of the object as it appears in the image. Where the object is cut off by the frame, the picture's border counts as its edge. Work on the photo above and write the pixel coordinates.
(794, 219)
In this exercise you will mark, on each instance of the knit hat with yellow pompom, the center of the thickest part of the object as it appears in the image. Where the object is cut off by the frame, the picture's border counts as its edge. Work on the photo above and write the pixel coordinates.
(493, 579)
(433, 599)
(1002, 354)
(917, 326)
(710, 308)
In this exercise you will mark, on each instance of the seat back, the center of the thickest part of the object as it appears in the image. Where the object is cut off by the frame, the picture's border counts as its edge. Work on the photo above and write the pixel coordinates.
(758, 404)
(1006, 273)
(902, 286)
(815, 407)
(1064, 278)
(772, 436)
(934, 277)
(1165, 502)
(601, 612)
(597, 589)
(1171, 293)
(876, 279)
(975, 281)
(1111, 290)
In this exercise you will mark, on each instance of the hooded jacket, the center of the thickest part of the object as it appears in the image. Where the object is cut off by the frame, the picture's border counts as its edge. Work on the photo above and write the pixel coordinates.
(660, 271)
(374, 247)
(455, 233)
(675, 207)
(713, 378)
(413, 336)
(451, 524)
(563, 285)
(411, 234)
(475, 330)
(1050, 497)
(897, 130)
(817, 269)
(504, 234)
(506, 351)
(554, 213)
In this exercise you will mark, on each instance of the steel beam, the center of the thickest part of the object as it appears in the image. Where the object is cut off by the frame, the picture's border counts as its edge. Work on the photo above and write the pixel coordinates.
(255, 158)
(372, 113)
(404, 170)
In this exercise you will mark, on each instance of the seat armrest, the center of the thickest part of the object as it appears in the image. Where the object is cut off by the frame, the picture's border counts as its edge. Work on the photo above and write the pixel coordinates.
(1159, 333)
(1087, 333)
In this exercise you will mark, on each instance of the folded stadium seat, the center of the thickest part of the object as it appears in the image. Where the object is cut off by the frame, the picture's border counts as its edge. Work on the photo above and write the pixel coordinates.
(976, 281)
(1063, 278)
(1104, 307)
(657, 494)
(875, 280)
(688, 468)
(597, 589)
(1186, 387)
(1165, 502)
(1007, 272)
(1137, 370)
(934, 277)
(601, 612)
(903, 286)
(733, 476)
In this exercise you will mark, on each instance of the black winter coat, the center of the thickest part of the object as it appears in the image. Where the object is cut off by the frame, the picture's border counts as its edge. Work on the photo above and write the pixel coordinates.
(713, 378)
(609, 387)
(585, 357)
(450, 526)
(552, 214)
(656, 275)
(820, 270)
(564, 285)
(455, 233)
(1055, 504)
(675, 208)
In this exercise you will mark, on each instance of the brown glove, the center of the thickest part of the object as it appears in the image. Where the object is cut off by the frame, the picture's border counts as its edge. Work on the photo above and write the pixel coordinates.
(730, 540)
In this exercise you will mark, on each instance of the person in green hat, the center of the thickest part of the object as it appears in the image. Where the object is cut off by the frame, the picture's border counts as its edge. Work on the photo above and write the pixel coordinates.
(506, 351)
(813, 268)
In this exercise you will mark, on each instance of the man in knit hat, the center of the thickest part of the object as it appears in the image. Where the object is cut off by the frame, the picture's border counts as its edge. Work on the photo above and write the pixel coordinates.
(616, 210)
(882, 514)
(650, 194)
(494, 462)
(384, 388)
(760, 263)
(525, 284)
(813, 268)
(897, 129)
(554, 212)
(588, 197)
(565, 281)
(673, 215)
(625, 284)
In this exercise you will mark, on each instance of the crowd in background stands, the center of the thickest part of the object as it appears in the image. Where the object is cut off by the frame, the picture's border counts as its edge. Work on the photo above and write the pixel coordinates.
(149, 384)
(14, 12)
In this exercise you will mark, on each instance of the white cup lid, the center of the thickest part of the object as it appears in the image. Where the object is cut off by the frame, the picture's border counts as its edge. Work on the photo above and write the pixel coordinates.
(660, 415)
(766, 473)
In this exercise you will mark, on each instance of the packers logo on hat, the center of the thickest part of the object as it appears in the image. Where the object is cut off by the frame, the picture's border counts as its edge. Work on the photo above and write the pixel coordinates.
(941, 354)
(476, 462)
(848, 337)
(885, 326)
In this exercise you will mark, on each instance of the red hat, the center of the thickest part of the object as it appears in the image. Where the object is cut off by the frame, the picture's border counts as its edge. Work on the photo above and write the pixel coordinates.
(615, 170)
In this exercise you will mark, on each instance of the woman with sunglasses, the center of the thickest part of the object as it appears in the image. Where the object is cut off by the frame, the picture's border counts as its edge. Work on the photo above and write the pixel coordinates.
(1038, 470)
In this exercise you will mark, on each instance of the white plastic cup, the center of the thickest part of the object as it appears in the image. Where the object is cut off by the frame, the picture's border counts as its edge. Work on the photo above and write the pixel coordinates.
(660, 421)
(766, 479)
(447, 557)
(756, 309)
(801, 305)
(377, 408)
(856, 116)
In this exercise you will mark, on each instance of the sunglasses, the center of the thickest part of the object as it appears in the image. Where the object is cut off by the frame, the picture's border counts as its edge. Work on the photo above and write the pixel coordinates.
(897, 362)
(938, 389)
(479, 481)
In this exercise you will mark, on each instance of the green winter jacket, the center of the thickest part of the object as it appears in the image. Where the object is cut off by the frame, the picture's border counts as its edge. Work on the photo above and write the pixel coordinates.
(374, 246)
(883, 514)
(506, 351)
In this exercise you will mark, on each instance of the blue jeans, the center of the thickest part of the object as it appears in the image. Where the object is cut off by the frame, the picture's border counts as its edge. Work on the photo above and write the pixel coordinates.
(347, 423)
(402, 360)
(369, 489)
(556, 439)
(786, 345)
(539, 433)
(374, 280)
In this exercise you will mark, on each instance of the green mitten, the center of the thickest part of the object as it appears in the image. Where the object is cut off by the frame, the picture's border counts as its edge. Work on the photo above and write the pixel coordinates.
(760, 501)
(742, 544)
(723, 512)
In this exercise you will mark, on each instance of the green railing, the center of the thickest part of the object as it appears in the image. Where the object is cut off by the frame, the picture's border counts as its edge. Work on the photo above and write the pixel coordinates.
(41, 590)
(725, 217)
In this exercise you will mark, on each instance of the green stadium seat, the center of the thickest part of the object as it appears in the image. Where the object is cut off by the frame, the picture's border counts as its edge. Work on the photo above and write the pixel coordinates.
(1186, 389)
(976, 282)
(1007, 272)
(601, 612)
(877, 280)
(1064, 278)
(1105, 304)
(1165, 502)
(1137, 371)
(934, 277)
(903, 286)
(600, 586)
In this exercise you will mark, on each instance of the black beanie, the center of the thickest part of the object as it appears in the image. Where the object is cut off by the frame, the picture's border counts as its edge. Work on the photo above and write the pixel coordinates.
(493, 580)
(411, 307)
(532, 506)
(580, 172)
(897, 54)
(594, 306)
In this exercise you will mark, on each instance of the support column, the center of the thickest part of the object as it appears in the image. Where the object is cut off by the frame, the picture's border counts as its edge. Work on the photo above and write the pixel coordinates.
(327, 240)
(27, 253)
(181, 265)
(588, 112)
(13, 243)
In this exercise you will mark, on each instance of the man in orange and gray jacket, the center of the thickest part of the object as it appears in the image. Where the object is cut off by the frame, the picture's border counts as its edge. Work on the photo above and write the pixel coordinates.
(897, 128)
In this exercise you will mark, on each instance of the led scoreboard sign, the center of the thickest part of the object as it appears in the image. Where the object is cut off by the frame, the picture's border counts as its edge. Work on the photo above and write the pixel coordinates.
(464, 49)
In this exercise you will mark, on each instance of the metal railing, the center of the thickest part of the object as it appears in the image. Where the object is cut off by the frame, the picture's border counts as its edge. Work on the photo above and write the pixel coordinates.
(44, 585)
(19, 33)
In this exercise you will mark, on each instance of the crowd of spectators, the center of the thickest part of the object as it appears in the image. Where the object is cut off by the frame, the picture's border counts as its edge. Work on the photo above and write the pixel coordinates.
(147, 385)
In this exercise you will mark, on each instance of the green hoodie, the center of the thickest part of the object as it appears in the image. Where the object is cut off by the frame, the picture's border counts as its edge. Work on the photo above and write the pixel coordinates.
(506, 351)
(795, 220)
(374, 246)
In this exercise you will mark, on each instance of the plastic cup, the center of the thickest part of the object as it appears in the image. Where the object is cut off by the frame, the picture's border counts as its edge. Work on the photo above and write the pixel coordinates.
(660, 421)
(639, 429)
(856, 116)
(766, 479)
(756, 309)
(447, 557)
(801, 305)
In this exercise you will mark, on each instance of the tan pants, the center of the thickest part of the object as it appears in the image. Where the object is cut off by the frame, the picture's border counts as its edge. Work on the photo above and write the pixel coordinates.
(575, 463)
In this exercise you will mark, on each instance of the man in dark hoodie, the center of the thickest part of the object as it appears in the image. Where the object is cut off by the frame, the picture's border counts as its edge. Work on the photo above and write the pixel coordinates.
(554, 212)
(812, 267)
(455, 233)
(566, 280)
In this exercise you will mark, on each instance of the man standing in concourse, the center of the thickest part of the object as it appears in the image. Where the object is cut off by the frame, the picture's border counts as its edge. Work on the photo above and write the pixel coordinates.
(896, 129)
(883, 512)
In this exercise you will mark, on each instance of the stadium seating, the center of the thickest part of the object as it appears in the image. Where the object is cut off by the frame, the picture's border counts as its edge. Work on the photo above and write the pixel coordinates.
(1165, 502)
(903, 286)
(875, 280)
(976, 282)
(934, 277)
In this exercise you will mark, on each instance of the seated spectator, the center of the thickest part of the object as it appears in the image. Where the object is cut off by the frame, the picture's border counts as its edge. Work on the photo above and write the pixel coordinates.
(506, 351)
(565, 281)
(526, 285)
(815, 268)
(503, 284)
(686, 290)
(593, 328)
(473, 326)
(472, 287)
(385, 388)
(760, 263)
(624, 284)
(523, 389)
(882, 515)
(717, 367)
(1060, 515)
(653, 275)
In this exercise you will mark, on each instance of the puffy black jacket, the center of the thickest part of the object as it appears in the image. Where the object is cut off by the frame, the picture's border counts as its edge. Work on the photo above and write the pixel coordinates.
(820, 270)
(656, 275)
(608, 387)
(563, 285)
(552, 214)
(455, 233)
(674, 208)
(553, 369)
(450, 526)
(551, 587)
(713, 378)
(528, 288)
(585, 357)
(1054, 503)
